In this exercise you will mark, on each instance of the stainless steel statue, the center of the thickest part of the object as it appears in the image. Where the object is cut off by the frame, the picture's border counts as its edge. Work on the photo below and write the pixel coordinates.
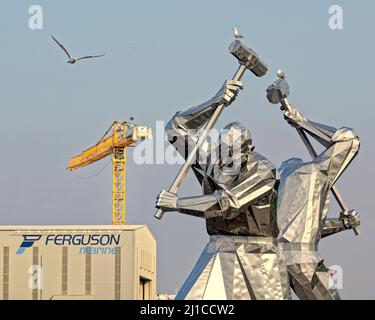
(264, 229)
(242, 259)
(303, 198)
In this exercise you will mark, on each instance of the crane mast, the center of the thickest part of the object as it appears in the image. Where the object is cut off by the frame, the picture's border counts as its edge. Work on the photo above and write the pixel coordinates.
(119, 176)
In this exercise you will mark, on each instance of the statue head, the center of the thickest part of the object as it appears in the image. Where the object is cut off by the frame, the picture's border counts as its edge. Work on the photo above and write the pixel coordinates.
(235, 145)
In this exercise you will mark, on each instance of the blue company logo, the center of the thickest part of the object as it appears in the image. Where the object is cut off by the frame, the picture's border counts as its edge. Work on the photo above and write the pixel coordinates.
(28, 241)
(88, 243)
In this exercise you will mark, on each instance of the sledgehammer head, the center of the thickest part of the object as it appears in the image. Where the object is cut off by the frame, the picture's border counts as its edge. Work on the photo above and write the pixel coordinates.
(248, 58)
(279, 90)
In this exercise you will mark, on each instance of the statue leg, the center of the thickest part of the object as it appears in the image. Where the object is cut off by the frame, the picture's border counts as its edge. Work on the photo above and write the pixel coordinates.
(312, 282)
(238, 270)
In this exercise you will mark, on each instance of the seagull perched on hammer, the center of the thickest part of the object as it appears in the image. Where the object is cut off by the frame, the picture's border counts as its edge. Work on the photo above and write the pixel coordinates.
(73, 60)
(236, 33)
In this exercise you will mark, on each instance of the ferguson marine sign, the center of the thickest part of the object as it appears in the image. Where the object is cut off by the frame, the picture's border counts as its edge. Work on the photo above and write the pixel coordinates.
(85, 241)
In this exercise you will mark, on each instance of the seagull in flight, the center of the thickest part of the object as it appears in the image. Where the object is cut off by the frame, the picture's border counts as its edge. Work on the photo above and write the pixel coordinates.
(236, 33)
(73, 60)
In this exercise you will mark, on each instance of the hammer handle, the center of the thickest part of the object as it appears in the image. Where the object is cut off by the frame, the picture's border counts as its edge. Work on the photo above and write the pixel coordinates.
(192, 156)
(340, 200)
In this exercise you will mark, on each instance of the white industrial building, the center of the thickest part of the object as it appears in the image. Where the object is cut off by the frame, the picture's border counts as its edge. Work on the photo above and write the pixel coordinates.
(77, 262)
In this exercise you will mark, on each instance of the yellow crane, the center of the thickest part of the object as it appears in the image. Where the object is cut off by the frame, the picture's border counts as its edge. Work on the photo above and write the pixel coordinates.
(123, 135)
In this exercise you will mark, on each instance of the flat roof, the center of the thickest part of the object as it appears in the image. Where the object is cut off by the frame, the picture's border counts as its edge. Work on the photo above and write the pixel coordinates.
(127, 227)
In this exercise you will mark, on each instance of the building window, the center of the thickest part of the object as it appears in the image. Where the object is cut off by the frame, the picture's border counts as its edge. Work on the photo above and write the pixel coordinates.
(64, 271)
(35, 265)
(144, 288)
(118, 274)
(6, 273)
(88, 274)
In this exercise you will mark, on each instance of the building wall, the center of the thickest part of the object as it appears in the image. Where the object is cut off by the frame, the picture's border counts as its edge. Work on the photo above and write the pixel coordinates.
(51, 271)
(145, 264)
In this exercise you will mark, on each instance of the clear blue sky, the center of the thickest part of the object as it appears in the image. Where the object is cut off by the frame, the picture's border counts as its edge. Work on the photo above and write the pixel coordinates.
(164, 56)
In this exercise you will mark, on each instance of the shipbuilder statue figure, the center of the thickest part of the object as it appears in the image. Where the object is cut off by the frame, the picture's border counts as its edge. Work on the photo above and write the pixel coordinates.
(239, 186)
(303, 198)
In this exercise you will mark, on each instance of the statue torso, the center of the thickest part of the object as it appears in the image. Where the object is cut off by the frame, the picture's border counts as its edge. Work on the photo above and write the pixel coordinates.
(303, 201)
(257, 219)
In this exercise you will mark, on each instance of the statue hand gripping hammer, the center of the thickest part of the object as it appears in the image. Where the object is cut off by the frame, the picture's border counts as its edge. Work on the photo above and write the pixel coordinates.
(248, 59)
